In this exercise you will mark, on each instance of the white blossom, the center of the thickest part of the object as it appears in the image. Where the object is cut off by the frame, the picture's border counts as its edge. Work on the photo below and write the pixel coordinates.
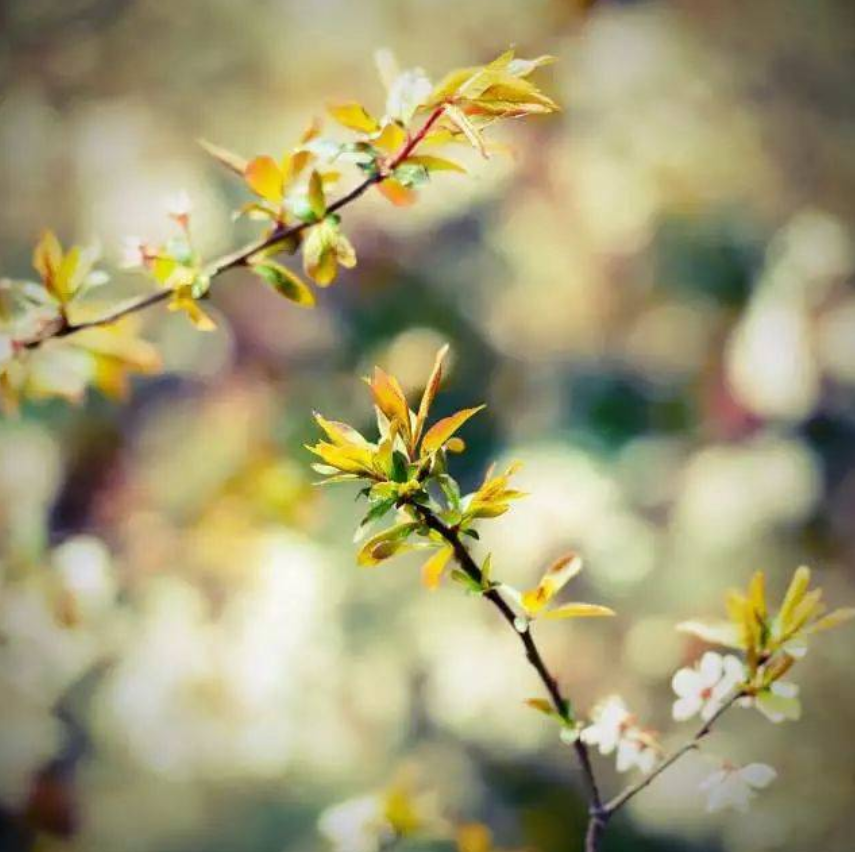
(179, 206)
(133, 253)
(735, 786)
(357, 825)
(704, 688)
(613, 728)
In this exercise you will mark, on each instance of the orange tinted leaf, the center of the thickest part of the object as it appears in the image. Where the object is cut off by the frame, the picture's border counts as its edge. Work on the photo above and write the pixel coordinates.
(397, 193)
(265, 178)
(390, 399)
(444, 429)
(433, 569)
(429, 393)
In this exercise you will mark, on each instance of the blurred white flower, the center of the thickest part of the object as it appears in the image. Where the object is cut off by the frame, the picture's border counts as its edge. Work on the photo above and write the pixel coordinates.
(132, 253)
(704, 688)
(178, 207)
(636, 751)
(357, 825)
(610, 717)
(735, 787)
(613, 728)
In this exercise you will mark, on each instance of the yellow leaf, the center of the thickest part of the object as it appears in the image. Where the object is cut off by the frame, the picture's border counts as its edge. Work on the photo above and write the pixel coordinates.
(354, 116)
(347, 458)
(444, 429)
(391, 138)
(560, 572)
(474, 837)
(579, 610)
(47, 258)
(541, 705)
(794, 594)
(433, 569)
(468, 129)
(265, 178)
(315, 197)
(435, 164)
(341, 434)
(833, 619)
(390, 399)
(429, 393)
(292, 165)
(385, 544)
(182, 300)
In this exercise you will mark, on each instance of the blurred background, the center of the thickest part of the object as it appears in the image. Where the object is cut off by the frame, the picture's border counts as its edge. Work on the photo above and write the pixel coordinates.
(653, 296)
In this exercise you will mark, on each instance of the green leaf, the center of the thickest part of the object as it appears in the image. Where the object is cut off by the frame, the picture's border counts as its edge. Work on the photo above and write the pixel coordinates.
(315, 197)
(466, 581)
(378, 510)
(411, 175)
(285, 282)
(400, 467)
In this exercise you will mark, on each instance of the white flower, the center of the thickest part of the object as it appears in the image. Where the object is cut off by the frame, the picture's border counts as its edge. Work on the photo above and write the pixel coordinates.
(133, 253)
(613, 728)
(636, 751)
(610, 718)
(735, 787)
(357, 825)
(704, 688)
(179, 206)
(778, 702)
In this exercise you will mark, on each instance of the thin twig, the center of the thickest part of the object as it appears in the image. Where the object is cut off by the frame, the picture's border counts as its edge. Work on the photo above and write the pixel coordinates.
(468, 565)
(62, 328)
(634, 789)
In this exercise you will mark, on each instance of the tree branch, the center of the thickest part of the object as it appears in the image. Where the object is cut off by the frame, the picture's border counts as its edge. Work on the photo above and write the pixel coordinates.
(634, 789)
(61, 327)
(597, 812)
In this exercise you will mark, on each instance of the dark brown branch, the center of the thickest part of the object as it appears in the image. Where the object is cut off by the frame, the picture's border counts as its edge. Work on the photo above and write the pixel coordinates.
(62, 328)
(561, 704)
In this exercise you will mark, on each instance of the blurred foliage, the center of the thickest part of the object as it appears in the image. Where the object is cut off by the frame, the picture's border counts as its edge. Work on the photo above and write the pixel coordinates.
(654, 299)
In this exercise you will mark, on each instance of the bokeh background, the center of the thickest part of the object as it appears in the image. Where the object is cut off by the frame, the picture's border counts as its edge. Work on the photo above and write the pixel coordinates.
(654, 297)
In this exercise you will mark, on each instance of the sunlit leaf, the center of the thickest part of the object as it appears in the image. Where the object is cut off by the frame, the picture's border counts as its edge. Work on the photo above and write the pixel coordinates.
(443, 429)
(285, 282)
(264, 177)
(354, 116)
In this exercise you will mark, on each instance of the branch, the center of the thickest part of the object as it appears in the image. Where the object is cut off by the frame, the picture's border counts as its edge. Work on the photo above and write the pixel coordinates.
(61, 327)
(464, 559)
(634, 789)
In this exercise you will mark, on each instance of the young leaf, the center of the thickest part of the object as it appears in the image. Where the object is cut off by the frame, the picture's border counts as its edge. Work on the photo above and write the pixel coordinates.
(231, 161)
(316, 199)
(285, 282)
(264, 177)
(457, 117)
(444, 429)
(354, 116)
(433, 569)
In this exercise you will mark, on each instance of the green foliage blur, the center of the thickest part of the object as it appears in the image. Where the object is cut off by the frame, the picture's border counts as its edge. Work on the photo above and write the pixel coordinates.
(654, 297)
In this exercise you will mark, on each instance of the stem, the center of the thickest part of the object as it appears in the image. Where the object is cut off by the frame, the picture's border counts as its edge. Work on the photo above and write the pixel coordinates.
(597, 813)
(634, 789)
(240, 257)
